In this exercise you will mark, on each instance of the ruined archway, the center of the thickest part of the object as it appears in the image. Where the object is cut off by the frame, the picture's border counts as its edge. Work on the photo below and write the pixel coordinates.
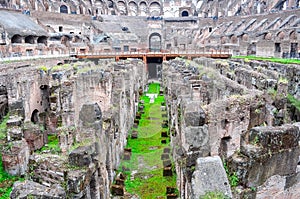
(35, 116)
(132, 8)
(63, 9)
(251, 50)
(42, 40)
(16, 39)
(185, 13)
(122, 7)
(154, 9)
(29, 39)
(143, 8)
(155, 42)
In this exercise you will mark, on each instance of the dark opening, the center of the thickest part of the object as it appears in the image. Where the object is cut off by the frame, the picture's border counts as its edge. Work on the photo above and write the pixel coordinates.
(60, 28)
(29, 39)
(185, 13)
(45, 93)
(16, 39)
(35, 116)
(110, 4)
(64, 9)
(294, 47)
(210, 29)
(42, 40)
(277, 48)
(154, 67)
(126, 48)
(251, 50)
(155, 42)
(225, 141)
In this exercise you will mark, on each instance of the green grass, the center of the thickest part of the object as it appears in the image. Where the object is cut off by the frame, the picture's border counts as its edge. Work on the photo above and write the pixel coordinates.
(277, 60)
(294, 101)
(6, 180)
(52, 146)
(214, 195)
(3, 127)
(154, 88)
(148, 182)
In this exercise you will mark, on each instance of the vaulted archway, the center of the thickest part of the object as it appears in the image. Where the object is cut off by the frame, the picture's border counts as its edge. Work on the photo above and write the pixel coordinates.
(155, 42)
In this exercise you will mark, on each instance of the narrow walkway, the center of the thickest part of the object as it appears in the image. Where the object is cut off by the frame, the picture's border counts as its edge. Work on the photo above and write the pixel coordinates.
(149, 171)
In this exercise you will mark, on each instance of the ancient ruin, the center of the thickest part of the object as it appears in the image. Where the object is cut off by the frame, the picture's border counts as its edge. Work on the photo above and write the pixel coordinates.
(149, 99)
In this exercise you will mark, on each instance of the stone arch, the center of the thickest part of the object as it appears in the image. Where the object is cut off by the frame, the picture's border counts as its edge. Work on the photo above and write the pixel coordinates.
(155, 42)
(293, 35)
(110, 4)
(184, 13)
(99, 6)
(233, 39)
(223, 40)
(251, 50)
(155, 9)
(16, 39)
(143, 7)
(132, 8)
(35, 116)
(29, 39)
(268, 36)
(80, 8)
(122, 7)
(245, 37)
(42, 40)
(64, 9)
(280, 35)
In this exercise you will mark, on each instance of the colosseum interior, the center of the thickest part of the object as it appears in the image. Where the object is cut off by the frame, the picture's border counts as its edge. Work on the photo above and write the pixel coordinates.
(150, 99)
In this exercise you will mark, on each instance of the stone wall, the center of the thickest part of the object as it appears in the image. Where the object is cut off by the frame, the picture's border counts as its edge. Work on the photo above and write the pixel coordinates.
(212, 104)
(90, 110)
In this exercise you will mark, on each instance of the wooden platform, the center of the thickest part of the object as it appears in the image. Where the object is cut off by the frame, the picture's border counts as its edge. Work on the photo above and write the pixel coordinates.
(144, 56)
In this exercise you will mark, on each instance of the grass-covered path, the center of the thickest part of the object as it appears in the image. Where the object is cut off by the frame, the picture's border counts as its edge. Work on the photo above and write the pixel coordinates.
(144, 170)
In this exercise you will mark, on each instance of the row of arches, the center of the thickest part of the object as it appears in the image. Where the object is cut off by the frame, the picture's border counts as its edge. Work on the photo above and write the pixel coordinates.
(143, 8)
(30, 39)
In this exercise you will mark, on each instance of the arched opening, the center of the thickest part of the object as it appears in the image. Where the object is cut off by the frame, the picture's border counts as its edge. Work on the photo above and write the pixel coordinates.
(35, 116)
(155, 9)
(16, 39)
(155, 42)
(143, 9)
(251, 50)
(122, 7)
(63, 9)
(185, 13)
(42, 40)
(80, 10)
(110, 3)
(29, 39)
(132, 8)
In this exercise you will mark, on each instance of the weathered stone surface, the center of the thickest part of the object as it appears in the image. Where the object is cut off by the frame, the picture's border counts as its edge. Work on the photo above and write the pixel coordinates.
(89, 114)
(167, 171)
(14, 133)
(167, 163)
(117, 190)
(275, 186)
(82, 156)
(28, 189)
(209, 175)
(193, 114)
(76, 181)
(33, 136)
(267, 151)
(196, 138)
(15, 157)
